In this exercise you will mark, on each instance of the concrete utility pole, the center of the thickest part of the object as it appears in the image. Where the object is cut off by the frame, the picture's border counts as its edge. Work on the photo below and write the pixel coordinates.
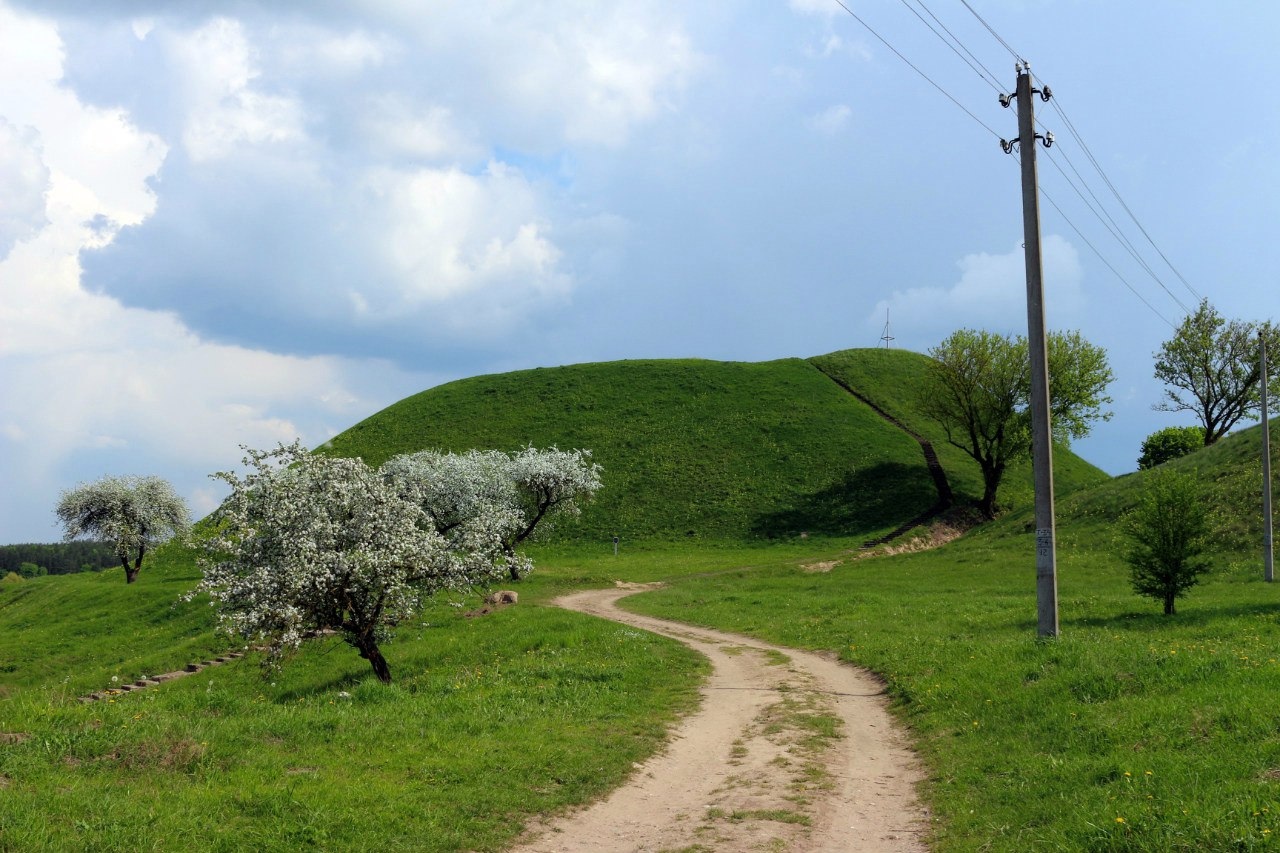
(1041, 430)
(1268, 558)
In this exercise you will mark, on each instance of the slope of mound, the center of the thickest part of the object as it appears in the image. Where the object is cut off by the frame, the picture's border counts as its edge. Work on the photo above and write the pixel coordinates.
(892, 379)
(1230, 471)
(690, 448)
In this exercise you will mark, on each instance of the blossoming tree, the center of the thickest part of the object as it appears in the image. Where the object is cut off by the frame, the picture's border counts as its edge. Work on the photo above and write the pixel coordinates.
(131, 513)
(306, 542)
(494, 501)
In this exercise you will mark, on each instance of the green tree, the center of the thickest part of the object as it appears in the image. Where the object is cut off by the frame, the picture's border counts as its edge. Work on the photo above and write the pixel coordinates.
(1212, 368)
(979, 390)
(31, 570)
(130, 513)
(1170, 443)
(1168, 533)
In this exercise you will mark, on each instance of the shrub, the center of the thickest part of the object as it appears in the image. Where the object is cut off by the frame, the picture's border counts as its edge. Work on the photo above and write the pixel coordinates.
(1170, 443)
(1168, 533)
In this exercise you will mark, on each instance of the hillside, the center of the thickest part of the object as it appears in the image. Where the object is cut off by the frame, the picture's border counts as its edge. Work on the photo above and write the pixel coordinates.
(706, 449)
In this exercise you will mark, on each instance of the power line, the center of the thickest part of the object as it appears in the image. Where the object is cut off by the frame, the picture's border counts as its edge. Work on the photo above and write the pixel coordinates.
(972, 61)
(1017, 56)
(1120, 238)
(1107, 263)
(913, 67)
(1096, 165)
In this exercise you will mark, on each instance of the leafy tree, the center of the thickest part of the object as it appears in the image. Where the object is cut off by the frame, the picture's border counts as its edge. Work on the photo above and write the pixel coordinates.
(130, 513)
(495, 501)
(1168, 533)
(1212, 368)
(979, 389)
(31, 570)
(1170, 443)
(307, 542)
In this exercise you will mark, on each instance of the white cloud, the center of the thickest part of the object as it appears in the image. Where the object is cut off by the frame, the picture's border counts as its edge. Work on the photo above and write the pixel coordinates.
(224, 108)
(395, 127)
(451, 237)
(24, 178)
(546, 73)
(93, 385)
(991, 294)
(832, 120)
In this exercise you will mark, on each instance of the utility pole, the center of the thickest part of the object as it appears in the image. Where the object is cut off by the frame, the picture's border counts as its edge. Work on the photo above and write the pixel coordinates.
(1041, 430)
(1268, 558)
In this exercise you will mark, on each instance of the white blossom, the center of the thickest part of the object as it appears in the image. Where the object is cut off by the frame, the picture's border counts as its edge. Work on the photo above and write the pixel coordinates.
(131, 513)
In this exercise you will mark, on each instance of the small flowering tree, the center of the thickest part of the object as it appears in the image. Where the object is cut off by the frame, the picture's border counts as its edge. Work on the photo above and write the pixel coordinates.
(131, 513)
(489, 502)
(307, 542)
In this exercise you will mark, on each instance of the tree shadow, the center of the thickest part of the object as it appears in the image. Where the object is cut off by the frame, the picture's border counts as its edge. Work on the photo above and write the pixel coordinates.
(1189, 614)
(863, 501)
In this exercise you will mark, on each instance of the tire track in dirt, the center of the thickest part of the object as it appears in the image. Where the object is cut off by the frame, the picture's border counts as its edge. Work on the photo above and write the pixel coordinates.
(789, 751)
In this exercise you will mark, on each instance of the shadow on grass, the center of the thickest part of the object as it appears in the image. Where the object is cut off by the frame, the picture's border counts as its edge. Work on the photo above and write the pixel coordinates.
(1189, 614)
(864, 501)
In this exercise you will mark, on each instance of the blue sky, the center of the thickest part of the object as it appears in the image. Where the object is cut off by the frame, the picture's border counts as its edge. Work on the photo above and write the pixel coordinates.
(244, 222)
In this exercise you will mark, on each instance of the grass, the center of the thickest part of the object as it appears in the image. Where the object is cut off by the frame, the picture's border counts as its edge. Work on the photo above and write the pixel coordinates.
(707, 450)
(1132, 731)
(490, 722)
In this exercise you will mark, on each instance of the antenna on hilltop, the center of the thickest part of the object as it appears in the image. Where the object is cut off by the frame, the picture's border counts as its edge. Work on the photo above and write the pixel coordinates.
(886, 337)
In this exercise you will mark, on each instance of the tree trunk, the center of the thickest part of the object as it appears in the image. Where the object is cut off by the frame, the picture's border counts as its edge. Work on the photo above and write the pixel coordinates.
(1168, 604)
(990, 483)
(369, 651)
(130, 572)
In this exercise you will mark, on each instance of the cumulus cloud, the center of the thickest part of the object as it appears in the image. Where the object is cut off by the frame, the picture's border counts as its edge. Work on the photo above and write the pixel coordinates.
(24, 179)
(93, 385)
(225, 104)
(990, 294)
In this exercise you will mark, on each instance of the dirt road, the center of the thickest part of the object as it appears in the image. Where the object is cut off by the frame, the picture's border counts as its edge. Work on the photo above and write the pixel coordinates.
(789, 751)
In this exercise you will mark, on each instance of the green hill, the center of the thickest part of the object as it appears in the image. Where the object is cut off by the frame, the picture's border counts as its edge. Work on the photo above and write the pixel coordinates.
(715, 450)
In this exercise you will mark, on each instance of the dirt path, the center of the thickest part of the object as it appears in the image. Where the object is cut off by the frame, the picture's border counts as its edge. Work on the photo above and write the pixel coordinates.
(789, 751)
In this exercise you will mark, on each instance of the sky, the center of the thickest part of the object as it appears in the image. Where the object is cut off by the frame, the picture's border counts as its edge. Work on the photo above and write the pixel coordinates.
(237, 223)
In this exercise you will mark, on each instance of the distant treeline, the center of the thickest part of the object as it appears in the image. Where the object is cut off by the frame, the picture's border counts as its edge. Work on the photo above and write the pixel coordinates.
(59, 558)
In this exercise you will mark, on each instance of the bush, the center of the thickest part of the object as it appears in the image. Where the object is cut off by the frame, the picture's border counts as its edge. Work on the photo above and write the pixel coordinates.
(1170, 443)
(1168, 532)
(31, 570)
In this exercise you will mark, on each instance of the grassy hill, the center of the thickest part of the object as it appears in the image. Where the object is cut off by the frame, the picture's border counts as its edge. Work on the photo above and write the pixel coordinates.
(712, 450)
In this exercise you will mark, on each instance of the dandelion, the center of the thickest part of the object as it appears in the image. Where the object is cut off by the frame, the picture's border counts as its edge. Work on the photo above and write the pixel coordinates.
(1146, 773)
(1127, 773)
(1120, 820)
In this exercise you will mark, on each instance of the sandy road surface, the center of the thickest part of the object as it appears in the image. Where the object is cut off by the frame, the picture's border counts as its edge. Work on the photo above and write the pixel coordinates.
(789, 751)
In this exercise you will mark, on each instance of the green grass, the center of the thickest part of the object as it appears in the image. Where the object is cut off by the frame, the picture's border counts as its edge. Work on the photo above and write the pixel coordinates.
(691, 449)
(490, 722)
(1132, 731)
(893, 379)
(709, 450)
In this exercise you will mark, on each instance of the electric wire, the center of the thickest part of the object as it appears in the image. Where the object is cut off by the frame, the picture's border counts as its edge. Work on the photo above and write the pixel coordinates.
(1120, 238)
(916, 69)
(1114, 228)
(1093, 160)
(1096, 165)
(1114, 271)
(1012, 52)
(972, 61)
